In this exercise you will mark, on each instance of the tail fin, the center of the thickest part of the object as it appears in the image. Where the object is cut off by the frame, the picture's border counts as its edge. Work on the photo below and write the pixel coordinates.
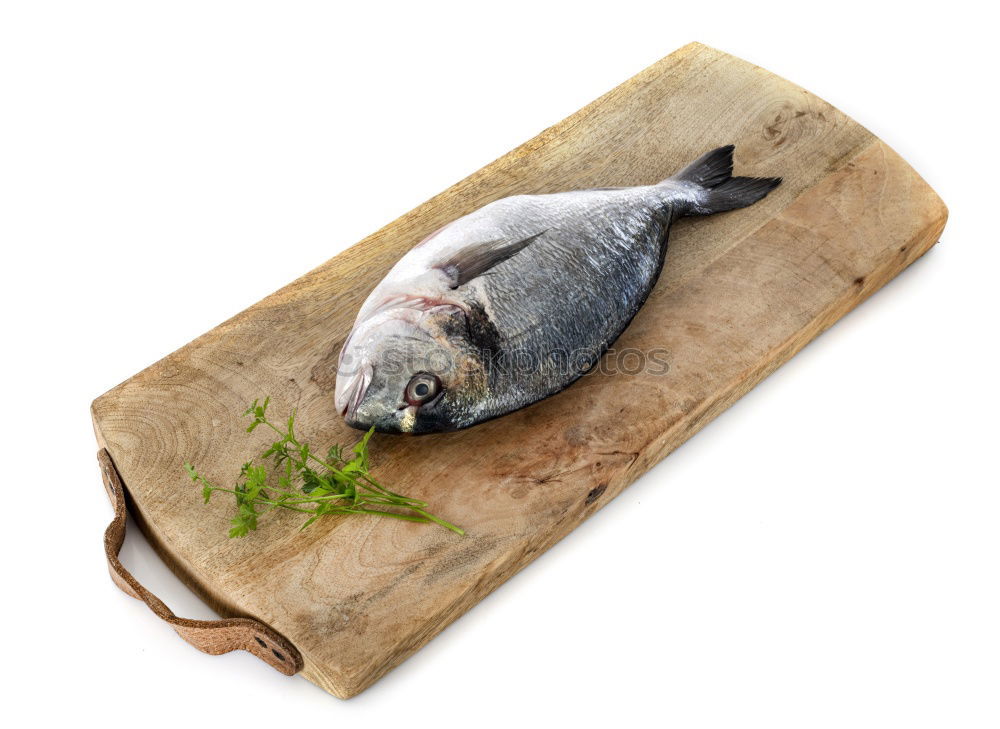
(717, 190)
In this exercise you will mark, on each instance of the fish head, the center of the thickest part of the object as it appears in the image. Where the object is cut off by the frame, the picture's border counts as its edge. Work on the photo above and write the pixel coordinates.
(411, 370)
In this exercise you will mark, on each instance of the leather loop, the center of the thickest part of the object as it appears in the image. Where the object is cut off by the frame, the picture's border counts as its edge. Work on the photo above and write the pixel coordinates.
(209, 636)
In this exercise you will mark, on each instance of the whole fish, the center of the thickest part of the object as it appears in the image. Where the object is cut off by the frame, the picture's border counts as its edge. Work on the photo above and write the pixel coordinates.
(513, 302)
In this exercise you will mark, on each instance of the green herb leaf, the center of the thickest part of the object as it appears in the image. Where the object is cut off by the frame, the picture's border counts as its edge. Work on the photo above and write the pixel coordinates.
(305, 483)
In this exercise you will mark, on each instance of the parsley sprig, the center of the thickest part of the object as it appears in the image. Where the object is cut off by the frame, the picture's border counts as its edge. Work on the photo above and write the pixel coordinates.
(338, 483)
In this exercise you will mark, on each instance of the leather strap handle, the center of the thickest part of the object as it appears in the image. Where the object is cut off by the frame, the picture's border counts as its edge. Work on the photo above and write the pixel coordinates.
(209, 636)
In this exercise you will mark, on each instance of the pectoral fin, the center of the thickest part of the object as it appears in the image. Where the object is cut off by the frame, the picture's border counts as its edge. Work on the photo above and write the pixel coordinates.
(478, 258)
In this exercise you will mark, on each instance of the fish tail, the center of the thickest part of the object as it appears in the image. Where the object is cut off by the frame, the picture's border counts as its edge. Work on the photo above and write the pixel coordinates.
(716, 189)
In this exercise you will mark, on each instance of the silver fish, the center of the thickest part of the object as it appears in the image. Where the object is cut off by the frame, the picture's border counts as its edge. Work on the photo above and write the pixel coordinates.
(513, 302)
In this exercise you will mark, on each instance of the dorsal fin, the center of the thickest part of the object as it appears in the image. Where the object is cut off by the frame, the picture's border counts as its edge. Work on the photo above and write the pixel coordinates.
(478, 258)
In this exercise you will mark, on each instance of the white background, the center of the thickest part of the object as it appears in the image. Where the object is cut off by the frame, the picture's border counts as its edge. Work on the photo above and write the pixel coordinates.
(824, 554)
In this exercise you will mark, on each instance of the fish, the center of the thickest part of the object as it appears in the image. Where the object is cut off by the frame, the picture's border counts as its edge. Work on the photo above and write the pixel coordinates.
(513, 302)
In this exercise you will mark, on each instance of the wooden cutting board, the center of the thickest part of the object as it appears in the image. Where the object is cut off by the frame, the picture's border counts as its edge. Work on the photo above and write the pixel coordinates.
(740, 293)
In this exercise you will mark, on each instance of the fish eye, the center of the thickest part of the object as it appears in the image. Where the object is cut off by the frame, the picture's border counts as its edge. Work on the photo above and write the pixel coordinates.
(422, 387)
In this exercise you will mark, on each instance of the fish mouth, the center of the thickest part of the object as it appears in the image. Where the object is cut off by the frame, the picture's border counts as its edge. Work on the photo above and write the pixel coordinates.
(351, 389)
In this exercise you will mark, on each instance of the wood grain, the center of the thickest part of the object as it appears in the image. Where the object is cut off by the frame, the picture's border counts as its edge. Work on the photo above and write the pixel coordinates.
(740, 294)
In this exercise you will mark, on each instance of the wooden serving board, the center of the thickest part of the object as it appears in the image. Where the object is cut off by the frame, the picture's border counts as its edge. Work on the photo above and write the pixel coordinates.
(740, 293)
